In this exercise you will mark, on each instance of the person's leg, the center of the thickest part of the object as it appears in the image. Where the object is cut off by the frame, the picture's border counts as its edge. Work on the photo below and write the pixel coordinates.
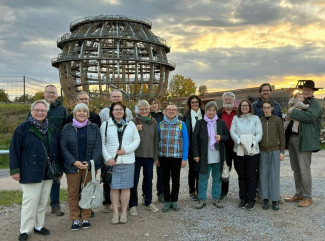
(115, 198)
(263, 185)
(31, 196)
(159, 185)
(74, 181)
(274, 176)
(55, 193)
(251, 165)
(165, 169)
(106, 191)
(203, 183)
(216, 181)
(240, 166)
(191, 176)
(175, 172)
(147, 179)
(304, 161)
(293, 148)
(42, 203)
(134, 190)
(229, 157)
(125, 198)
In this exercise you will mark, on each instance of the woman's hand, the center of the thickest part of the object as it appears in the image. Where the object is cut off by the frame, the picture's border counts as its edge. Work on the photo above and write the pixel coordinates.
(139, 127)
(120, 152)
(218, 138)
(111, 162)
(197, 159)
(281, 157)
(157, 163)
(183, 163)
(16, 176)
(80, 165)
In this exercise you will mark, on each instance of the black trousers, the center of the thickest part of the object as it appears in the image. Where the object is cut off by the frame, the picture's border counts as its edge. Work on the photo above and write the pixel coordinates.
(247, 176)
(106, 191)
(170, 168)
(229, 156)
(193, 176)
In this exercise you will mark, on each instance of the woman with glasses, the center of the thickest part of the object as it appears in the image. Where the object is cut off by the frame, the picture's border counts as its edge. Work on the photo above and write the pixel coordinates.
(173, 150)
(194, 113)
(246, 132)
(145, 155)
(119, 142)
(33, 143)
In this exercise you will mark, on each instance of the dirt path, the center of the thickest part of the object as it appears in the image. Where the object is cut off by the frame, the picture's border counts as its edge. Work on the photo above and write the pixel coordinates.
(229, 223)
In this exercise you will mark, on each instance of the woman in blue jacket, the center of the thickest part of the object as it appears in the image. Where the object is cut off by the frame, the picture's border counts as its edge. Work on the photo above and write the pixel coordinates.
(80, 143)
(32, 143)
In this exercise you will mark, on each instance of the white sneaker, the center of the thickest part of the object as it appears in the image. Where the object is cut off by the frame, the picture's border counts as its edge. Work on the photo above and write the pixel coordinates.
(115, 219)
(152, 208)
(133, 211)
(123, 218)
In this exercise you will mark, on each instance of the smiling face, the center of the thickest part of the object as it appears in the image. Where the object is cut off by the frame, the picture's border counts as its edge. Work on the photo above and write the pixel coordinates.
(267, 109)
(144, 111)
(228, 102)
(118, 112)
(244, 107)
(307, 92)
(195, 104)
(50, 94)
(83, 98)
(171, 112)
(211, 112)
(266, 92)
(116, 96)
(81, 115)
(39, 112)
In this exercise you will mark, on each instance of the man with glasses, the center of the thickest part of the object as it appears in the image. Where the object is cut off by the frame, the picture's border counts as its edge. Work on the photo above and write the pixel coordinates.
(265, 91)
(57, 117)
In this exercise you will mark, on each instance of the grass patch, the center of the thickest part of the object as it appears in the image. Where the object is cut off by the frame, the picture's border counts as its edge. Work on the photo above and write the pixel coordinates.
(4, 161)
(8, 198)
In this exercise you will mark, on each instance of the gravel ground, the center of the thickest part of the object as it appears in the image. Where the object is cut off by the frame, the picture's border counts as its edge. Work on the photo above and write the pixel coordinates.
(210, 223)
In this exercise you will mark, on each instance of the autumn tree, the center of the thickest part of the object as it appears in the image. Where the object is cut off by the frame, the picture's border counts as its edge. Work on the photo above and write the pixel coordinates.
(180, 86)
(4, 97)
(39, 95)
(203, 89)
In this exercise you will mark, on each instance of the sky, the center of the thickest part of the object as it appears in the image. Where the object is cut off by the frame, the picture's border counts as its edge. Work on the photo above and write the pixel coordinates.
(222, 44)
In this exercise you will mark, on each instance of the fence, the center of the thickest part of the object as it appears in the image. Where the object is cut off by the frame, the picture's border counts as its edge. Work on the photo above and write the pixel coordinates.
(21, 88)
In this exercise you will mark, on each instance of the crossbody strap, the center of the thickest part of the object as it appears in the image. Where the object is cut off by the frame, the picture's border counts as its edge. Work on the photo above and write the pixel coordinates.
(92, 166)
(120, 141)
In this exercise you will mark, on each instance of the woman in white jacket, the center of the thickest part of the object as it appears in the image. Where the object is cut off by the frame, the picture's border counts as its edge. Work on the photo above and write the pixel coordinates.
(246, 132)
(114, 131)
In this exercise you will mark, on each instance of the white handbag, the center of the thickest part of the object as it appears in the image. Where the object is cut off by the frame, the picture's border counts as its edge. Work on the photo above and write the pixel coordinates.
(225, 173)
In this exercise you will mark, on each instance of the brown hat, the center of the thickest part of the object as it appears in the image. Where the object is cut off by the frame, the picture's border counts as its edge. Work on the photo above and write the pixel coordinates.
(309, 84)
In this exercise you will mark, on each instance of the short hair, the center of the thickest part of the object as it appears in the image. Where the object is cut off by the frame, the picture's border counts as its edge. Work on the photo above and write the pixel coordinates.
(81, 106)
(270, 102)
(112, 107)
(44, 102)
(142, 103)
(173, 105)
(228, 94)
(116, 90)
(190, 98)
(251, 109)
(211, 104)
(262, 85)
(81, 93)
(50, 86)
(151, 100)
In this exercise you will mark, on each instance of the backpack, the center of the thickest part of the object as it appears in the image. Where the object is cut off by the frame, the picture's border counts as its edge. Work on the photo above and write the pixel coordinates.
(92, 194)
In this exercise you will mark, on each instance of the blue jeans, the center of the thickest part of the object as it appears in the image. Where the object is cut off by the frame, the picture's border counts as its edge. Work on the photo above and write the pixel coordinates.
(216, 182)
(147, 164)
(55, 193)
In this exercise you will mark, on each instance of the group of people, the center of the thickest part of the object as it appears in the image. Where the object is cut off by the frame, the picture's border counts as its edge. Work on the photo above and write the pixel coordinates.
(252, 136)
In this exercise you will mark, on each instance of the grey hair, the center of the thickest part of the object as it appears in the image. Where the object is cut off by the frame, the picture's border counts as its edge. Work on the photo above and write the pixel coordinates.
(44, 102)
(81, 106)
(228, 94)
(211, 104)
(81, 93)
(116, 90)
(142, 103)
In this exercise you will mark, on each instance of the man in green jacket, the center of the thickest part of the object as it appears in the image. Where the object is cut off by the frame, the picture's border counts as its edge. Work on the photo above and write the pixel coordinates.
(302, 144)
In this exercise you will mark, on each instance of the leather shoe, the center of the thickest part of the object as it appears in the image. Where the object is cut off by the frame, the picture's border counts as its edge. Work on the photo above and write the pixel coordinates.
(295, 198)
(304, 203)
(43, 231)
(23, 237)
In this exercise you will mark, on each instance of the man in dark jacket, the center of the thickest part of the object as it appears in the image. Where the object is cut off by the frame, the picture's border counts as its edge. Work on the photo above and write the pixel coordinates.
(83, 97)
(302, 144)
(265, 91)
(226, 114)
(56, 116)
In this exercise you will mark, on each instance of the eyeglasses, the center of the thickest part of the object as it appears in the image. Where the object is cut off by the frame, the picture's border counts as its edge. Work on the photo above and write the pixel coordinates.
(244, 105)
(40, 111)
(266, 90)
(51, 93)
(118, 109)
(116, 96)
(267, 108)
(144, 109)
(174, 110)
(194, 102)
(84, 99)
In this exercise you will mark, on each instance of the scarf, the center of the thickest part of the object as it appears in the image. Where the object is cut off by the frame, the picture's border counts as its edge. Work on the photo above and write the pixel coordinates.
(170, 122)
(146, 119)
(195, 116)
(119, 125)
(78, 124)
(42, 128)
(211, 131)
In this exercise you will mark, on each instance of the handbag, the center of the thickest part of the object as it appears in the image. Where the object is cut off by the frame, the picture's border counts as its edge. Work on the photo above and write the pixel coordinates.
(225, 173)
(54, 168)
(92, 194)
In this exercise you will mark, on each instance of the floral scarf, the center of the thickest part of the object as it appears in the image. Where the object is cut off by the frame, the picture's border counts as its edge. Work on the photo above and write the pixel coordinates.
(42, 128)
(119, 125)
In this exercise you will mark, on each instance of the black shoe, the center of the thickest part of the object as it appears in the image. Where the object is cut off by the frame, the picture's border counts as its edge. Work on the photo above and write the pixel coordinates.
(250, 206)
(265, 204)
(194, 197)
(92, 214)
(57, 210)
(161, 198)
(275, 205)
(43, 231)
(242, 204)
(23, 236)
(85, 224)
(75, 225)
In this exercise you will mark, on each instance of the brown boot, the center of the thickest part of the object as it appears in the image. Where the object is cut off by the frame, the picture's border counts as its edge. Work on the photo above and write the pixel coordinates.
(295, 198)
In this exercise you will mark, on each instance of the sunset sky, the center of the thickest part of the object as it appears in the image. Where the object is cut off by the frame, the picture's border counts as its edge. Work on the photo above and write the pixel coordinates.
(222, 44)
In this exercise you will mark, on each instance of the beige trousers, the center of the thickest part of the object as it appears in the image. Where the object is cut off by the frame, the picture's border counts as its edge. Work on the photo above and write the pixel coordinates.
(35, 198)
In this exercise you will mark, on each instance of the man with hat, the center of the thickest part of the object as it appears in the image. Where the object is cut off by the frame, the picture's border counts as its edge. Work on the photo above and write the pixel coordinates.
(302, 144)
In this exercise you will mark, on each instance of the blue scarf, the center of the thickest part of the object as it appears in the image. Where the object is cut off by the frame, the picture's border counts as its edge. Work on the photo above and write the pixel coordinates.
(42, 128)
(119, 125)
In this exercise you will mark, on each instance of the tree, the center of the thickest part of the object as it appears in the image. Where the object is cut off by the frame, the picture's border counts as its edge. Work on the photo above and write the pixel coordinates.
(39, 95)
(4, 97)
(203, 89)
(180, 86)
